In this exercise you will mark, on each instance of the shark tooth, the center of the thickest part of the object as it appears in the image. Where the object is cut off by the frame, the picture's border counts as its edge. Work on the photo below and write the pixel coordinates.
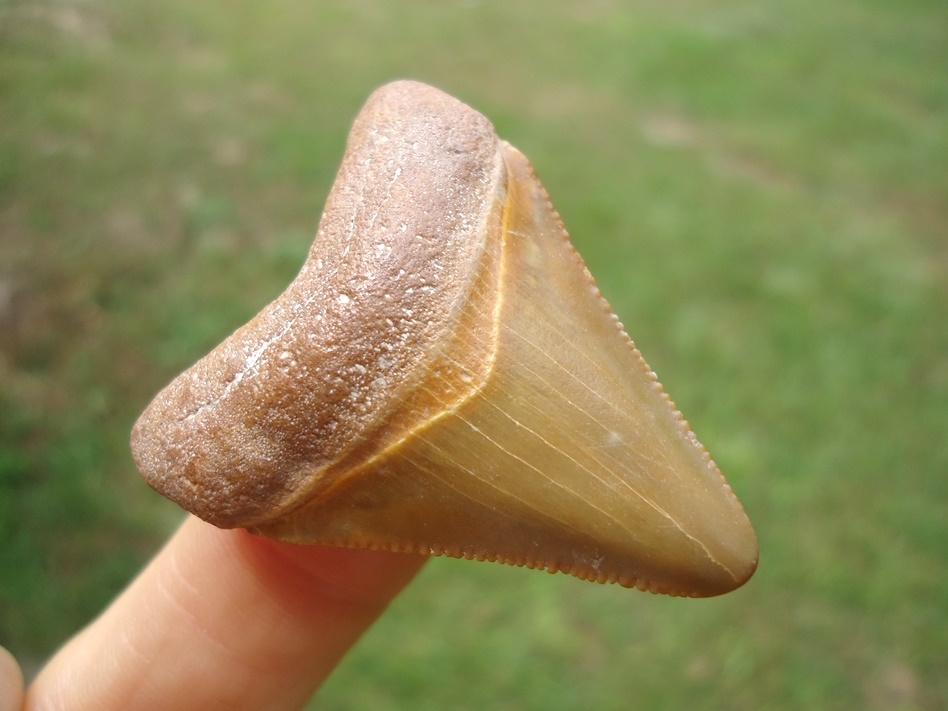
(444, 377)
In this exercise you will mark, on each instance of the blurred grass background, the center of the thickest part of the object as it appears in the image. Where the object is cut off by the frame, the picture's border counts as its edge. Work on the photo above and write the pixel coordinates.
(760, 189)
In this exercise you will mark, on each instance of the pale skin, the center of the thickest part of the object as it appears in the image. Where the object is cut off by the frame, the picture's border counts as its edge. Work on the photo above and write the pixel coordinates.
(219, 619)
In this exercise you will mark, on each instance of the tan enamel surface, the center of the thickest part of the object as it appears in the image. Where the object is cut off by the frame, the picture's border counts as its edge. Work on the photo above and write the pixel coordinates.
(523, 426)
(569, 457)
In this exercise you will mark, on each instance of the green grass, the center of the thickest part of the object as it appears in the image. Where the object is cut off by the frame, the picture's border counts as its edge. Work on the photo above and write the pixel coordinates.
(759, 188)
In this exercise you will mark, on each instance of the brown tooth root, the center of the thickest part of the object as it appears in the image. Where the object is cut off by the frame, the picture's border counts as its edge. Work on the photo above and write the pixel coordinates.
(444, 377)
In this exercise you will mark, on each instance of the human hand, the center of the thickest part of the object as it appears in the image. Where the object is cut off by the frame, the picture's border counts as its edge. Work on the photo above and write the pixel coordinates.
(220, 619)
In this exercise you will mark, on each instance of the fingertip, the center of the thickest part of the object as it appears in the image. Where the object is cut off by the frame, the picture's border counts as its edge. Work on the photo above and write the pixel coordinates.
(11, 682)
(327, 576)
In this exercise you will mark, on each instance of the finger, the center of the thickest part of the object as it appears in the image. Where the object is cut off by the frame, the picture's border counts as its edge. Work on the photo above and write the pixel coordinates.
(11, 682)
(224, 619)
